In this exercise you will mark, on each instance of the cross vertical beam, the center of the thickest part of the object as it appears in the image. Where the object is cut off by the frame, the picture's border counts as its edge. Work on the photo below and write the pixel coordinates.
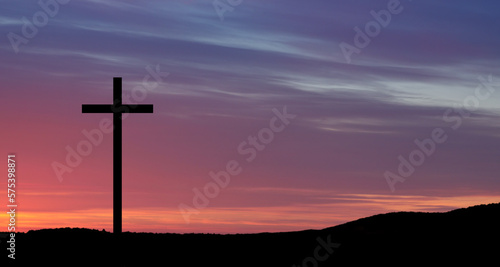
(117, 108)
(117, 156)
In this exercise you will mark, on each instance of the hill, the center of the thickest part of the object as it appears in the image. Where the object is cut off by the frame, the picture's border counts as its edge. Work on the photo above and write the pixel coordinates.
(468, 235)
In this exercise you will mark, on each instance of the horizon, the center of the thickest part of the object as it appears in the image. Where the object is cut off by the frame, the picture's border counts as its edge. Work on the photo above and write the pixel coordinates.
(237, 233)
(268, 117)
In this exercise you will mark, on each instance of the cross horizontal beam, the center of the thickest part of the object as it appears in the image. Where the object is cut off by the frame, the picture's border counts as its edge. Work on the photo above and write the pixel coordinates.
(104, 108)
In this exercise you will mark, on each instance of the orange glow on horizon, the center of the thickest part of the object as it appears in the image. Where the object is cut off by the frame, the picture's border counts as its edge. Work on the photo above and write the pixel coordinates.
(246, 219)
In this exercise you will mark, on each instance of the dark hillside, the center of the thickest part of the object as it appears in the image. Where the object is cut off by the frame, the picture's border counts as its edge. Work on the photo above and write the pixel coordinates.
(462, 236)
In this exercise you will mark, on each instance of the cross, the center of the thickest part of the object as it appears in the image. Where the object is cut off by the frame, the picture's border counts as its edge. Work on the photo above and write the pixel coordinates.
(117, 109)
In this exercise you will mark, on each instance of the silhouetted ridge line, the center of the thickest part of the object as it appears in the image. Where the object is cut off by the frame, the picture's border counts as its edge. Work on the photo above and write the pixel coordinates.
(468, 235)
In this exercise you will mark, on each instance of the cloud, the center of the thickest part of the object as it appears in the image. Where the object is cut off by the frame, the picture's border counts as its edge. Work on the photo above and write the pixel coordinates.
(353, 120)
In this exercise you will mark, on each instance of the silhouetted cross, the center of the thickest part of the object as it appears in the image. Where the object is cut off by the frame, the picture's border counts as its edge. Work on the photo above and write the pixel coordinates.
(117, 109)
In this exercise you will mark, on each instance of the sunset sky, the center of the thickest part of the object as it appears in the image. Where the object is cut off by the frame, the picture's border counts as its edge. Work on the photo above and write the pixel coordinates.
(219, 75)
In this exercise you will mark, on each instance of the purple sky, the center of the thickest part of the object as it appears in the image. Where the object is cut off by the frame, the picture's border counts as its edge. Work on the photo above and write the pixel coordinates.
(220, 80)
